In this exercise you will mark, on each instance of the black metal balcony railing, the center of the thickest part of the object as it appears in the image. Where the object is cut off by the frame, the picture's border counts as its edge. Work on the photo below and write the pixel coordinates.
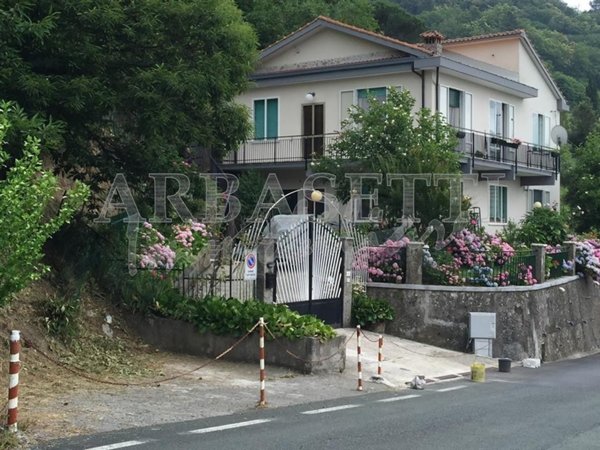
(479, 148)
(482, 147)
(284, 149)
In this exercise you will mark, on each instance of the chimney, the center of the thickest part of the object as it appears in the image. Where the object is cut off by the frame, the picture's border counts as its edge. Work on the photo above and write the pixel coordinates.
(433, 41)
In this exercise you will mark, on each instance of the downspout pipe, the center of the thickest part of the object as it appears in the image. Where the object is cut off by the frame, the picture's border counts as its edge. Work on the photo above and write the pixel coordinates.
(437, 89)
(421, 74)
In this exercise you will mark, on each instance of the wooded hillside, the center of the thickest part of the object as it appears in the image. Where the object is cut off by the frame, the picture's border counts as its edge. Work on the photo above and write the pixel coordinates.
(567, 40)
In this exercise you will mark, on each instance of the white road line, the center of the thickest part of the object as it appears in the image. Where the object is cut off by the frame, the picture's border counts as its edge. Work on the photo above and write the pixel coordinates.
(326, 410)
(119, 445)
(395, 399)
(229, 426)
(454, 388)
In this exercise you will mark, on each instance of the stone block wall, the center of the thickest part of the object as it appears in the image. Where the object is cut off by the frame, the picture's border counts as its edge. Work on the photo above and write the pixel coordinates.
(310, 354)
(553, 320)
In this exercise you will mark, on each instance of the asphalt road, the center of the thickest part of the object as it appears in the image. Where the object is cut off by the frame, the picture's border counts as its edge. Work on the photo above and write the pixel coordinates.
(554, 407)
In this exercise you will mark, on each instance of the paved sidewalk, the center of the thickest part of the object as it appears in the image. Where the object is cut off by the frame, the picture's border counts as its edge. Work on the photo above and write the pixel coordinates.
(404, 359)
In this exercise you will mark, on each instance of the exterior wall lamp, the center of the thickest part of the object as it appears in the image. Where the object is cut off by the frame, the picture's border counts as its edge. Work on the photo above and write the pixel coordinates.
(310, 96)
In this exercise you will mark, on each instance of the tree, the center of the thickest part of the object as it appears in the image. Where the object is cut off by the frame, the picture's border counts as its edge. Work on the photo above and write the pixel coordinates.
(26, 197)
(582, 121)
(387, 138)
(396, 22)
(584, 189)
(133, 83)
(274, 19)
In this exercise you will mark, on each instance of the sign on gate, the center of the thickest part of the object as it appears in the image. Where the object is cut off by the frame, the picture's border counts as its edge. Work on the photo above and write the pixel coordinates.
(250, 266)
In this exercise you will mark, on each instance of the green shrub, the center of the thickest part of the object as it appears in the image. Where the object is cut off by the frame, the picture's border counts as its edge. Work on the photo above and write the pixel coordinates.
(233, 317)
(60, 316)
(27, 194)
(543, 226)
(367, 311)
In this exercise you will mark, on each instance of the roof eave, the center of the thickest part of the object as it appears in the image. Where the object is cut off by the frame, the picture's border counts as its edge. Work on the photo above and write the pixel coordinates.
(518, 89)
(312, 74)
(561, 102)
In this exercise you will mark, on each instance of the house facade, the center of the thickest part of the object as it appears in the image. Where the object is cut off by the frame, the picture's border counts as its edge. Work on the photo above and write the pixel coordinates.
(493, 89)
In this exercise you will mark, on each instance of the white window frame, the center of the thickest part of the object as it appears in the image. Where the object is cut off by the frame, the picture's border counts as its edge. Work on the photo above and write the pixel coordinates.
(466, 101)
(531, 198)
(508, 122)
(504, 220)
(344, 115)
(536, 133)
(278, 118)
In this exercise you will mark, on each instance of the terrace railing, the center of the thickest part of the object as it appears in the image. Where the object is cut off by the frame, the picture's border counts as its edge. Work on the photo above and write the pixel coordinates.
(478, 147)
(482, 147)
(284, 149)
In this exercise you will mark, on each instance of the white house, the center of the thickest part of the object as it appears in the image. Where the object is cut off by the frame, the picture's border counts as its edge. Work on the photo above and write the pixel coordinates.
(494, 89)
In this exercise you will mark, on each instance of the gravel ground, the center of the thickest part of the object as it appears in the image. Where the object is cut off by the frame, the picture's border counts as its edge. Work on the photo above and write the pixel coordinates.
(218, 389)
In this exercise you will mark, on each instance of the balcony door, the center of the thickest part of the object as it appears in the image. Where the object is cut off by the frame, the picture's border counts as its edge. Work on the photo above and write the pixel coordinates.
(313, 128)
(502, 127)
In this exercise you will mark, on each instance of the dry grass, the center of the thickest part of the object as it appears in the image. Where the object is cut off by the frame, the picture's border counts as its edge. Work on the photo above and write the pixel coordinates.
(44, 385)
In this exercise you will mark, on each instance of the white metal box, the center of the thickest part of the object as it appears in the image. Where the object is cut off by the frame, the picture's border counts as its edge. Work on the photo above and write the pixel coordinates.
(482, 325)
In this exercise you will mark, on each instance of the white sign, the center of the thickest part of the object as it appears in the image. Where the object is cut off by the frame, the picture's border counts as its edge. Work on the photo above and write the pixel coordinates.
(250, 266)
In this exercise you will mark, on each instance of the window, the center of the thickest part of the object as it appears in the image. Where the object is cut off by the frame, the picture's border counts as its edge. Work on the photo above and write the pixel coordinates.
(498, 204)
(457, 107)
(346, 102)
(360, 97)
(541, 130)
(266, 118)
(502, 119)
(363, 95)
(537, 195)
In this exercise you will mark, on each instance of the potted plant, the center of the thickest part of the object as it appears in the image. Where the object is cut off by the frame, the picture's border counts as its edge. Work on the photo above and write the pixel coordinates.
(371, 313)
(513, 143)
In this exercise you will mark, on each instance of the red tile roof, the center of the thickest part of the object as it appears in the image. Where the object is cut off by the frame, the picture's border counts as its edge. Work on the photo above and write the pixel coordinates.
(482, 37)
(353, 28)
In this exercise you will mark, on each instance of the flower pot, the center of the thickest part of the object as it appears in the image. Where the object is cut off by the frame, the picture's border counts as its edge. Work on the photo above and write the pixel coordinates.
(377, 327)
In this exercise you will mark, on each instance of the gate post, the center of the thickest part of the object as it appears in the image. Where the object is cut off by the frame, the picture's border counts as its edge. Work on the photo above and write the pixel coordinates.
(539, 250)
(414, 263)
(264, 268)
(571, 249)
(347, 282)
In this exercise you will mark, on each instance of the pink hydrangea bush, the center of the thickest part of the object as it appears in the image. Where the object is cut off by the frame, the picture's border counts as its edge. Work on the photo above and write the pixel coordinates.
(159, 252)
(525, 275)
(386, 261)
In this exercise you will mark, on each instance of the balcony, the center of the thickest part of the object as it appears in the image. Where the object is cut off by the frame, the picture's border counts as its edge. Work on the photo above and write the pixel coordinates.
(480, 153)
(484, 152)
(284, 150)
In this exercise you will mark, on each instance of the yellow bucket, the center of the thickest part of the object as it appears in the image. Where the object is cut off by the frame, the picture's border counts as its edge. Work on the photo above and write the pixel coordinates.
(478, 372)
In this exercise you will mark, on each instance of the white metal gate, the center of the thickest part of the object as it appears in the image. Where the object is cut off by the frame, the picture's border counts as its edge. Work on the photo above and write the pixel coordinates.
(309, 270)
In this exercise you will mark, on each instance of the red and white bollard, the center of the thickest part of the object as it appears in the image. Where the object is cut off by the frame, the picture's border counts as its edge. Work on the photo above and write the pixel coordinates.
(261, 356)
(359, 363)
(13, 383)
(380, 355)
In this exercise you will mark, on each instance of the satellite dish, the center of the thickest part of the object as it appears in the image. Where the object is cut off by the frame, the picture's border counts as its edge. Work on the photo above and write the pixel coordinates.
(559, 135)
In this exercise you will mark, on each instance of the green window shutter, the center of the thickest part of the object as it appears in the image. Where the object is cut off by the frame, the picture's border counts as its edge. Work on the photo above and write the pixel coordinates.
(259, 119)
(454, 98)
(272, 118)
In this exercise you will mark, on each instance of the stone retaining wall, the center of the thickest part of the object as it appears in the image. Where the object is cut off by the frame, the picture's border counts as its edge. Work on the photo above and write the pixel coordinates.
(178, 336)
(553, 320)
